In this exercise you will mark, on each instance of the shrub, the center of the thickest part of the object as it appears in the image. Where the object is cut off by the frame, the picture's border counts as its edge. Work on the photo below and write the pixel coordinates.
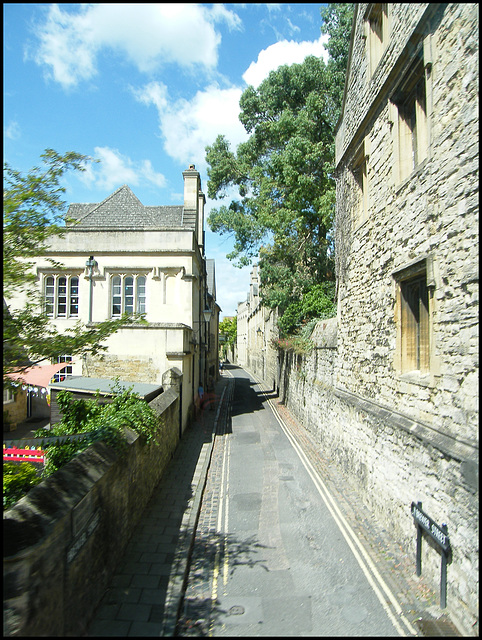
(18, 479)
(98, 421)
(315, 304)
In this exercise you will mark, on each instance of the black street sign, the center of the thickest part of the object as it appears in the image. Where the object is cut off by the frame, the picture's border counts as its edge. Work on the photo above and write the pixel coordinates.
(432, 528)
(440, 535)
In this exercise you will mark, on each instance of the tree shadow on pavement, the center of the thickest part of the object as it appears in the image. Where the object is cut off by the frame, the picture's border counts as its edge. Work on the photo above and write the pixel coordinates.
(200, 608)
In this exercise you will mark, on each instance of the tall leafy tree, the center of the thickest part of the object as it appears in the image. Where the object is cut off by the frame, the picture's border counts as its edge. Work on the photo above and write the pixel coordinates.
(228, 328)
(33, 211)
(284, 172)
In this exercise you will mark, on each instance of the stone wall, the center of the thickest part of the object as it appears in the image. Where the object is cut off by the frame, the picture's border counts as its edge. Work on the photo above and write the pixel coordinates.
(64, 539)
(406, 428)
(15, 411)
(432, 215)
(140, 369)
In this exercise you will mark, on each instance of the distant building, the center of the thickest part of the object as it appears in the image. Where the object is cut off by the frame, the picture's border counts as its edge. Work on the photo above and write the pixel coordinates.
(119, 256)
(256, 328)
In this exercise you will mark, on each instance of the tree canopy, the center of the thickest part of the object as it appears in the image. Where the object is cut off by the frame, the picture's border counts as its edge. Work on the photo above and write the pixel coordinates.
(284, 172)
(229, 329)
(33, 211)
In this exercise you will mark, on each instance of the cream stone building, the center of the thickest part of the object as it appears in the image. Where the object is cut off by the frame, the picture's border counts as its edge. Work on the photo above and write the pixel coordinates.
(121, 256)
(256, 330)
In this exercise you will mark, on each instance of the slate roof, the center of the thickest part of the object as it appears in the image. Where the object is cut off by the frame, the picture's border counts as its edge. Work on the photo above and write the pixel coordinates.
(123, 210)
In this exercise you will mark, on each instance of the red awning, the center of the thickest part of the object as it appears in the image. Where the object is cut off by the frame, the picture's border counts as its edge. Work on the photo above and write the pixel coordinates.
(39, 375)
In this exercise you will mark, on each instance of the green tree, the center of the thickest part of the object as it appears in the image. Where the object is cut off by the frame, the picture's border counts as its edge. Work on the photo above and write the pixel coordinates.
(228, 327)
(33, 211)
(337, 23)
(284, 172)
(317, 303)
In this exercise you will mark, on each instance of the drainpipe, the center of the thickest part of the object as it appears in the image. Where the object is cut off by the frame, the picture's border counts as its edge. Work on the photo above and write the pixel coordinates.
(91, 264)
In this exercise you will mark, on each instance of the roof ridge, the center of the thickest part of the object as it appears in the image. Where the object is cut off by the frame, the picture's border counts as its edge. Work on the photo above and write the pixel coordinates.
(110, 197)
(122, 208)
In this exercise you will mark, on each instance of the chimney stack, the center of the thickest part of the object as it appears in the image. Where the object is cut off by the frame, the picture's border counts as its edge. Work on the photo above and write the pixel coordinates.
(192, 186)
(194, 200)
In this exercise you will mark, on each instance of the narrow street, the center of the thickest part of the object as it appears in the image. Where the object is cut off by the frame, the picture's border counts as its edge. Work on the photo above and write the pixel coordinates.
(272, 554)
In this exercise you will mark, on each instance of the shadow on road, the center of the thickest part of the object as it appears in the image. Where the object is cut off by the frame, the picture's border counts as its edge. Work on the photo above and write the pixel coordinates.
(246, 398)
(200, 608)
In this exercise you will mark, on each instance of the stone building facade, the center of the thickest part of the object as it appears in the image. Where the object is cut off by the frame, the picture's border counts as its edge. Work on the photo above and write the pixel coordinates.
(121, 256)
(256, 330)
(392, 383)
(407, 271)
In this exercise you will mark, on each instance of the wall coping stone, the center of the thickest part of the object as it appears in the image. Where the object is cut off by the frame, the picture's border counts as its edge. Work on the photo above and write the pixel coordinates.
(450, 446)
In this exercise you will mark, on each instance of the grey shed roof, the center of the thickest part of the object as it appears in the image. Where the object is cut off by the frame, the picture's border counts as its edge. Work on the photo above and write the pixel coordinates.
(123, 210)
(80, 384)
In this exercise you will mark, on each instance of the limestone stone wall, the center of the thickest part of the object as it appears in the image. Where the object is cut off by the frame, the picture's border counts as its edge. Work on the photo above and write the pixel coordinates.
(63, 540)
(15, 411)
(140, 369)
(432, 214)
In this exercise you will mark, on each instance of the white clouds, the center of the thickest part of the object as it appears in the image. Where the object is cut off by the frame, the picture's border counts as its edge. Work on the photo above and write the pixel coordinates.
(188, 126)
(280, 53)
(115, 169)
(149, 35)
(12, 131)
(66, 47)
(148, 173)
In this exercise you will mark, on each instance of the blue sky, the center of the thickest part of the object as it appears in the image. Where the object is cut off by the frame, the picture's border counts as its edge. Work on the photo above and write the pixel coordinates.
(143, 88)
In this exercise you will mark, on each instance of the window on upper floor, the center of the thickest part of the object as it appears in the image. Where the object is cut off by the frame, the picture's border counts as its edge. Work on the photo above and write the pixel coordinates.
(360, 174)
(63, 374)
(414, 314)
(128, 295)
(61, 296)
(411, 121)
(377, 33)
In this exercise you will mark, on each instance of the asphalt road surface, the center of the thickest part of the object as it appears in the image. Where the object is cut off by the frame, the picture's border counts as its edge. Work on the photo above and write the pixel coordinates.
(270, 556)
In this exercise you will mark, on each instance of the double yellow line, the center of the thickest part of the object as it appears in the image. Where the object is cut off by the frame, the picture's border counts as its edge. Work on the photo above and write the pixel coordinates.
(221, 530)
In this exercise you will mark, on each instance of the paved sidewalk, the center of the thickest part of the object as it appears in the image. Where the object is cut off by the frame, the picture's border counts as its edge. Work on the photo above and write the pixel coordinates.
(146, 590)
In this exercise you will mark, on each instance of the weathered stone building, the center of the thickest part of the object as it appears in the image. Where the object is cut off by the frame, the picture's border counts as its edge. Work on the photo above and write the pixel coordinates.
(121, 256)
(393, 381)
(256, 328)
(407, 271)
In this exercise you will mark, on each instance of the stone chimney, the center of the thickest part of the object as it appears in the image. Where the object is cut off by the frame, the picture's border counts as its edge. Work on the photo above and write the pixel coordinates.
(193, 215)
(200, 219)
